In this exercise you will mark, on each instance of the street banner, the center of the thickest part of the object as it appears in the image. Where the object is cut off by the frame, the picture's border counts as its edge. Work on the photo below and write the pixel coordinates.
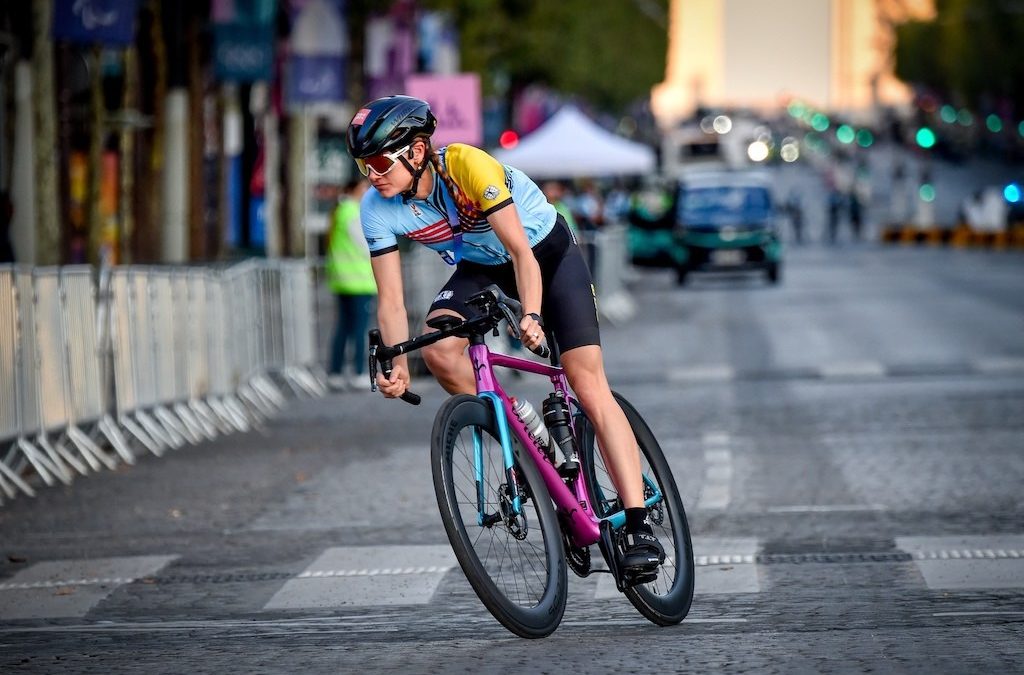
(455, 101)
(106, 22)
(316, 62)
(243, 33)
(389, 53)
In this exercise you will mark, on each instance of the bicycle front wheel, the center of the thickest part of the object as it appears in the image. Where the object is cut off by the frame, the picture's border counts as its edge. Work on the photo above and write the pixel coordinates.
(511, 556)
(666, 600)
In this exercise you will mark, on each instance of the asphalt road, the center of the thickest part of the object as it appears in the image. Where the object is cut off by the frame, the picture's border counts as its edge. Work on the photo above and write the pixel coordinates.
(850, 446)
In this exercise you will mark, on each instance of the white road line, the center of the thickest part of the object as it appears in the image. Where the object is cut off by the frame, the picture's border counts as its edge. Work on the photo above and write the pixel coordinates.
(716, 492)
(853, 369)
(966, 554)
(824, 508)
(342, 576)
(999, 364)
(992, 613)
(708, 373)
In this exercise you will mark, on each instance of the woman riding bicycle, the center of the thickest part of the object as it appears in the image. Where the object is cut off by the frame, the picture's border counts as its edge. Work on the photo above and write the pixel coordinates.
(494, 225)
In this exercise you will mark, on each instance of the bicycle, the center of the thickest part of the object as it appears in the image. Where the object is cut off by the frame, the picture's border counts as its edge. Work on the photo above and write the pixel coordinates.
(514, 519)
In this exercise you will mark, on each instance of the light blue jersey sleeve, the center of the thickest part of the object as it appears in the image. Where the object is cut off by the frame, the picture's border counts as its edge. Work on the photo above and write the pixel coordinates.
(372, 213)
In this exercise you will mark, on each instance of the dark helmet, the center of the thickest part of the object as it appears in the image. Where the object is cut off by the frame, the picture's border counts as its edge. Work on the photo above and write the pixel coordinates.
(389, 123)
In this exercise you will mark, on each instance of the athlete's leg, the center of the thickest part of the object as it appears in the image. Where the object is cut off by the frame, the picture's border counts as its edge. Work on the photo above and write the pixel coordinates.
(584, 368)
(449, 362)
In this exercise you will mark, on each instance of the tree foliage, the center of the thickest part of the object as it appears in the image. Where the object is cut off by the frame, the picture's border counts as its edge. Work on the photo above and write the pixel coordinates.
(971, 53)
(607, 52)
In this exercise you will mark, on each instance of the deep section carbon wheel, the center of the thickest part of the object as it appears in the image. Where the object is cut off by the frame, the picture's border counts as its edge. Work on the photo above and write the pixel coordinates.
(501, 524)
(666, 600)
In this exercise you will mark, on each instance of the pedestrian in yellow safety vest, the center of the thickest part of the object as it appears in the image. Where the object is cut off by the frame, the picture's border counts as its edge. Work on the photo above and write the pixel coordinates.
(350, 278)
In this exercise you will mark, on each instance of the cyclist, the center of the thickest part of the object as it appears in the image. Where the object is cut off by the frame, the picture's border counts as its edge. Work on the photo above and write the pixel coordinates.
(494, 225)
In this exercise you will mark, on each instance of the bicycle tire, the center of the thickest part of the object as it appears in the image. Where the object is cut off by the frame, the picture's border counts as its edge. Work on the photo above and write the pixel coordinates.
(529, 607)
(662, 603)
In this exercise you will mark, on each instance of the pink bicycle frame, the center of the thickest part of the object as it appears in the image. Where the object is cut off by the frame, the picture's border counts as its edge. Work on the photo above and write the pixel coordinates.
(573, 504)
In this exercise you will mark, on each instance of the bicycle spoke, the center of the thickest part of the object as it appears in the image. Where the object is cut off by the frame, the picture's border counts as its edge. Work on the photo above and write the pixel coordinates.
(517, 566)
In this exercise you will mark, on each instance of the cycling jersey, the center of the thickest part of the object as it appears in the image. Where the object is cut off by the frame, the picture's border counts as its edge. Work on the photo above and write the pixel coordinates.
(484, 186)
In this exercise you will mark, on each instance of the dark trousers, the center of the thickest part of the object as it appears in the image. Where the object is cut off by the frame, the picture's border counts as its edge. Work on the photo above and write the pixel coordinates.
(353, 322)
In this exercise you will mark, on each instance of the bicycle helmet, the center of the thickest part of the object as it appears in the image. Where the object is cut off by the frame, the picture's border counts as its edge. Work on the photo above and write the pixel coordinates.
(388, 124)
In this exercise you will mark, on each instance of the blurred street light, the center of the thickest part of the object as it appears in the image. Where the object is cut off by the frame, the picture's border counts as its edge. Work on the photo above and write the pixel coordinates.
(925, 137)
(757, 151)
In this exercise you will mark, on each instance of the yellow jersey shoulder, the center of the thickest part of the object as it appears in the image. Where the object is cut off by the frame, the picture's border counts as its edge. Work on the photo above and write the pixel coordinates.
(480, 177)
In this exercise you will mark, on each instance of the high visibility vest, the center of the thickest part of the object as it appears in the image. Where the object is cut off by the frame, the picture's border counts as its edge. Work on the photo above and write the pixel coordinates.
(348, 263)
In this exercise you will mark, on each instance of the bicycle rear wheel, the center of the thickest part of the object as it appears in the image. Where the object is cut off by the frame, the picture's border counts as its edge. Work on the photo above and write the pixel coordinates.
(514, 562)
(666, 600)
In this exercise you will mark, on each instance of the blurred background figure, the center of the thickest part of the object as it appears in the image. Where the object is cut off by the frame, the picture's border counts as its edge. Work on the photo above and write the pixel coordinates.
(836, 201)
(350, 278)
(588, 208)
(795, 213)
(899, 198)
(860, 199)
(555, 193)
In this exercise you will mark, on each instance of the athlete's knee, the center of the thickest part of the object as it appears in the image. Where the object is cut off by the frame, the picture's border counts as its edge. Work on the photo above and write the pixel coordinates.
(443, 359)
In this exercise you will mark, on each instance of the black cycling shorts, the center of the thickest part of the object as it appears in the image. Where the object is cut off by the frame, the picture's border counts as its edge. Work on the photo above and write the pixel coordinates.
(569, 307)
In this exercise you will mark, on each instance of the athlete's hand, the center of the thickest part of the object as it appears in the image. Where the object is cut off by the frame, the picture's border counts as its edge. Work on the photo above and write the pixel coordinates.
(533, 334)
(396, 385)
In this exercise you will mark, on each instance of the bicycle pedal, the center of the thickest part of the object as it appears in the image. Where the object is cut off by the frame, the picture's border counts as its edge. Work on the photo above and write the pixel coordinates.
(639, 578)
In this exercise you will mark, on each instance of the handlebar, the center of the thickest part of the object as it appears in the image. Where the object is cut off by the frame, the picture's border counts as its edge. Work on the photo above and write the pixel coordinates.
(493, 306)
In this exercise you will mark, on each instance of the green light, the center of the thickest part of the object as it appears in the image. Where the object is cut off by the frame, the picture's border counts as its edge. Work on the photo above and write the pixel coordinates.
(844, 134)
(820, 122)
(965, 118)
(865, 138)
(994, 124)
(925, 137)
(1020, 128)
(948, 114)
(927, 192)
(796, 109)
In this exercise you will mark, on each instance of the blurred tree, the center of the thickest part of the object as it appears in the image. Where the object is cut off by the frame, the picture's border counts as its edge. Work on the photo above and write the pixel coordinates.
(608, 53)
(971, 53)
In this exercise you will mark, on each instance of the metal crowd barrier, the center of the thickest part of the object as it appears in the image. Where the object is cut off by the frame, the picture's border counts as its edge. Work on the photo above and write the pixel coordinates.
(614, 301)
(155, 357)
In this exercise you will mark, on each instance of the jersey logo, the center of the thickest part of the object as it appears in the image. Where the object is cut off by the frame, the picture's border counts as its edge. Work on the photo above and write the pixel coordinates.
(415, 210)
(491, 192)
(444, 295)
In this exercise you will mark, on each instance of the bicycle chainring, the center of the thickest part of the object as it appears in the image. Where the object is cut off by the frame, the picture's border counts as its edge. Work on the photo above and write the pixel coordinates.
(578, 558)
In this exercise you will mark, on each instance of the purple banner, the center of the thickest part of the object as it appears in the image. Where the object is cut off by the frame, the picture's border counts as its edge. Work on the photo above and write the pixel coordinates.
(108, 22)
(316, 79)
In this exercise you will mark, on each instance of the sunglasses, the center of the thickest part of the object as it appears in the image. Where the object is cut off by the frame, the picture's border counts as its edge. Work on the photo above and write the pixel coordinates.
(382, 163)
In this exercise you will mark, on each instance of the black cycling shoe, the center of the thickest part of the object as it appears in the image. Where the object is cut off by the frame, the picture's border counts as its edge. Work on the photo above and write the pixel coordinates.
(641, 553)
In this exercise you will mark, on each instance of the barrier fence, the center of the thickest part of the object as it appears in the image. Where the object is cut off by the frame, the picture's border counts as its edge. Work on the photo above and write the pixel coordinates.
(149, 357)
(97, 366)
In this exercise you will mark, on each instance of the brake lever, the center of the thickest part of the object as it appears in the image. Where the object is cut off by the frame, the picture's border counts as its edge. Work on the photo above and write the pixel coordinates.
(376, 344)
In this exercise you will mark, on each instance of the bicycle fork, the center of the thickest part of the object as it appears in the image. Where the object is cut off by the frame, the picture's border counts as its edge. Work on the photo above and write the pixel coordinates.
(484, 519)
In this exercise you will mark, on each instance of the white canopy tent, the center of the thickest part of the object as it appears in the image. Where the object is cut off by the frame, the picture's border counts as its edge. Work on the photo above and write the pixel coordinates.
(569, 145)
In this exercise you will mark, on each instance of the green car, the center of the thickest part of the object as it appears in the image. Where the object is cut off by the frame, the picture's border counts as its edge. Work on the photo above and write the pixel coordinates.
(722, 221)
(725, 222)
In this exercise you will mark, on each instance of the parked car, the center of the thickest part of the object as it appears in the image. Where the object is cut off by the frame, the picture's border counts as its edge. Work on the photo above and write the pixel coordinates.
(726, 221)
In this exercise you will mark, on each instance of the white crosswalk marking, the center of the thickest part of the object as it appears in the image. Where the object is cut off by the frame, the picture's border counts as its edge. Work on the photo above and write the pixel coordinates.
(968, 562)
(367, 576)
(723, 565)
(716, 492)
(867, 369)
(70, 588)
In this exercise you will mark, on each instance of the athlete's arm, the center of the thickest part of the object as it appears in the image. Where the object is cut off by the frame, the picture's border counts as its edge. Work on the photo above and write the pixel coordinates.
(510, 231)
(392, 319)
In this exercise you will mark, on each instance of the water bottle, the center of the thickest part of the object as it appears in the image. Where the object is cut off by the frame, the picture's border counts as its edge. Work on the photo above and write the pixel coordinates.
(533, 423)
(556, 418)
